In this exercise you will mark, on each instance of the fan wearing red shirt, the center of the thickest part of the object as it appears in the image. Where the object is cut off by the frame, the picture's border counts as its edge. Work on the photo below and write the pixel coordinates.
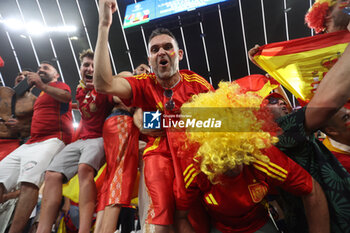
(84, 156)
(338, 136)
(51, 128)
(121, 144)
(165, 90)
(237, 203)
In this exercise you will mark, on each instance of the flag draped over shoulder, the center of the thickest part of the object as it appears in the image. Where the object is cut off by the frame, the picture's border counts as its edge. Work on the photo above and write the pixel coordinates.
(299, 65)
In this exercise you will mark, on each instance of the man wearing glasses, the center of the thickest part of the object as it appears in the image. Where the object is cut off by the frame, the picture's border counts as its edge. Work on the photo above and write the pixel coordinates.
(277, 105)
(298, 141)
(164, 90)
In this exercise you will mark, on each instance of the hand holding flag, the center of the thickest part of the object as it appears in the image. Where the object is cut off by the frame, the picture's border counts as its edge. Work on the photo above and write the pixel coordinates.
(300, 65)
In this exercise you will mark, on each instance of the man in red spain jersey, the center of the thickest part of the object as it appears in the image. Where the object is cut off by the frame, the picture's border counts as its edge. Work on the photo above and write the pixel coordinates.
(237, 202)
(120, 139)
(298, 141)
(84, 156)
(164, 90)
(51, 129)
(338, 136)
(121, 144)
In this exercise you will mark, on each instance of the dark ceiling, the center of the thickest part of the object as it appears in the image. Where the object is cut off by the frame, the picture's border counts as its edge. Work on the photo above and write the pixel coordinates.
(282, 19)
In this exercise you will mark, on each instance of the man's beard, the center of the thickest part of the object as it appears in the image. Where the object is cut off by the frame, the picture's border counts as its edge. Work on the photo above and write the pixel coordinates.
(46, 79)
(167, 74)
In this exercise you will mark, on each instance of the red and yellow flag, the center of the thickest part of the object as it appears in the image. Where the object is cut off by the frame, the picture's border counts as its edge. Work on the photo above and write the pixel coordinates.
(258, 84)
(300, 65)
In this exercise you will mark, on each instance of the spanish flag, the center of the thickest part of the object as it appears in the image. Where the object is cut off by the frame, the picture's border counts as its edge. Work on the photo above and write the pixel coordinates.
(258, 84)
(300, 65)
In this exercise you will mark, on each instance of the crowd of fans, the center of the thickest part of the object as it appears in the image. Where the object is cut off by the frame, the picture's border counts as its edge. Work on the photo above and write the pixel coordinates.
(113, 171)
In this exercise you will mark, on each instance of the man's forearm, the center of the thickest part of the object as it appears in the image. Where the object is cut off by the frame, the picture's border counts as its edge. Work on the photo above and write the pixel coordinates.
(58, 94)
(332, 93)
(103, 76)
(316, 210)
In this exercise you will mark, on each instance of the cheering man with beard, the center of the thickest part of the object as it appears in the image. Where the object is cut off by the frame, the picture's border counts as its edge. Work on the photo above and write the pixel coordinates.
(51, 129)
(163, 91)
(84, 156)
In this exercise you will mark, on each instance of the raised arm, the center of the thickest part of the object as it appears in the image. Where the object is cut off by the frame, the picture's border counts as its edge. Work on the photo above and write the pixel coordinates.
(103, 78)
(251, 54)
(316, 210)
(332, 93)
(58, 94)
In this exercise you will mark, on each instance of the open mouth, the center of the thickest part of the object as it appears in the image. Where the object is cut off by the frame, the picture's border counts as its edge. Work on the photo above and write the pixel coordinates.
(41, 73)
(88, 77)
(284, 109)
(163, 62)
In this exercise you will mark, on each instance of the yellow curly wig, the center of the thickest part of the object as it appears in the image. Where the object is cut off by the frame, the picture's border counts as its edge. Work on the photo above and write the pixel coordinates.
(242, 142)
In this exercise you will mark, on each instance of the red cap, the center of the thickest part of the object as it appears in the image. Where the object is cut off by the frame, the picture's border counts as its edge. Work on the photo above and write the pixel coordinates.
(276, 95)
(279, 96)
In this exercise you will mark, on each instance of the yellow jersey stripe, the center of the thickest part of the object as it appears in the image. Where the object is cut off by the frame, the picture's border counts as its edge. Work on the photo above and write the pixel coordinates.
(154, 146)
(193, 76)
(281, 174)
(213, 199)
(199, 80)
(141, 76)
(159, 106)
(268, 173)
(208, 200)
(189, 174)
(196, 77)
(278, 167)
(188, 168)
(192, 177)
(145, 76)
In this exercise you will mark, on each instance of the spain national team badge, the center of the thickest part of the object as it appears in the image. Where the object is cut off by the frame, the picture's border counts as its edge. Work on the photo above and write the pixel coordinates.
(257, 192)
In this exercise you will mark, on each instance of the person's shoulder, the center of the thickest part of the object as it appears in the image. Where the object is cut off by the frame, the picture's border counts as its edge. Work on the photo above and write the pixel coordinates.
(142, 79)
(192, 78)
(273, 167)
(294, 133)
(5, 89)
(297, 117)
(274, 154)
(60, 84)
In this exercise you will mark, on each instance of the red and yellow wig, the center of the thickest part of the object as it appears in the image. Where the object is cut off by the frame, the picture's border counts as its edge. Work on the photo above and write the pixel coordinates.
(315, 17)
(249, 131)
